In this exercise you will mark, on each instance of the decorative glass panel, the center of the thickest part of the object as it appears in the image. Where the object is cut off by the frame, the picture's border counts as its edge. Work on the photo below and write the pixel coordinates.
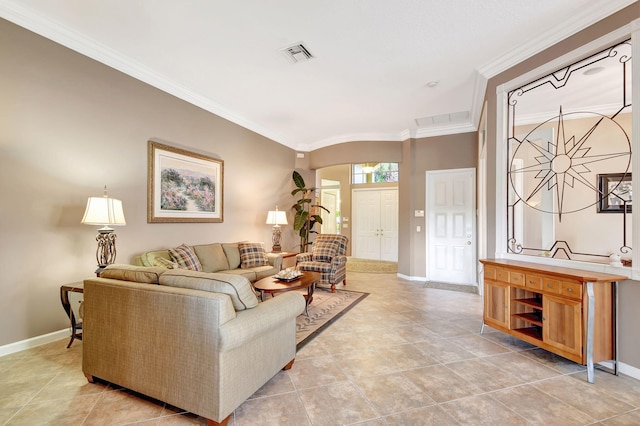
(569, 161)
(375, 173)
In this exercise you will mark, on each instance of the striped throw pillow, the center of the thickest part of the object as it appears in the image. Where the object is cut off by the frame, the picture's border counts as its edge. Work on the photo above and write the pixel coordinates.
(185, 257)
(164, 263)
(252, 255)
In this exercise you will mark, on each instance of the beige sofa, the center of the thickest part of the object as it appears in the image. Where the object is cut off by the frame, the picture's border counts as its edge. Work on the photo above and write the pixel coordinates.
(199, 341)
(222, 258)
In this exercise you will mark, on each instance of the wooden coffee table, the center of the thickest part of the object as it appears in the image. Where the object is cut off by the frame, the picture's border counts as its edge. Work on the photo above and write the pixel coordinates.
(272, 285)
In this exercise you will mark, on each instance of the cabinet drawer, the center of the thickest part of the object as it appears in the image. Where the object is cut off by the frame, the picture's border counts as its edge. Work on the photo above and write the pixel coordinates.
(490, 272)
(502, 275)
(533, 282)
(551, 286)
(572, 290)
(516, 278)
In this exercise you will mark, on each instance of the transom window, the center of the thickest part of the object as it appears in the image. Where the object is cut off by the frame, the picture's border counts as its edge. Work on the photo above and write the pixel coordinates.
(374, 173)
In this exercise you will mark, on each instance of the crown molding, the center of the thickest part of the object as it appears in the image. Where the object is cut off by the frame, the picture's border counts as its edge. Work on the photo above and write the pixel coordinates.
(588, 16)
(55, 31)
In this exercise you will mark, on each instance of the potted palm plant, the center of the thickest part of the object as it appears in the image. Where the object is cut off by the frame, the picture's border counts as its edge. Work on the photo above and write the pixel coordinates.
(307, 213)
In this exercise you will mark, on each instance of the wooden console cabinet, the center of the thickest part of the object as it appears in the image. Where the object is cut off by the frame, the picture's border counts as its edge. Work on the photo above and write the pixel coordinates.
(569, 312)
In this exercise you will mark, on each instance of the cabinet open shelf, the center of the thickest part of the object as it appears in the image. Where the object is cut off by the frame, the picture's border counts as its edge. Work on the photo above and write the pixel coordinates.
(534, 318)
(535, 303)
(535, 332)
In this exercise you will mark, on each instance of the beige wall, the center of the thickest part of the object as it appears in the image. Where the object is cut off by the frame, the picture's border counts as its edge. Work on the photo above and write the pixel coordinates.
(629, 290)
(68, 126)
(416, 157)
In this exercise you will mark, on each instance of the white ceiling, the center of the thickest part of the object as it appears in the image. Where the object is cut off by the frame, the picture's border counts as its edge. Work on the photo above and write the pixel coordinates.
(373, 58)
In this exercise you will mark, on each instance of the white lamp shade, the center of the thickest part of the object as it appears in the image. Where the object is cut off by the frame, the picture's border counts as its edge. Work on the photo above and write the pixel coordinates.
(276, 217)
(103, 211)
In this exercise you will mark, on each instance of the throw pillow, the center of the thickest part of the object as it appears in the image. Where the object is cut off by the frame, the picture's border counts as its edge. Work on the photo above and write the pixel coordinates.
(324, 250)
(252, 255)
(212, 257)
(164, 263)
(185, 257)
(233, 254)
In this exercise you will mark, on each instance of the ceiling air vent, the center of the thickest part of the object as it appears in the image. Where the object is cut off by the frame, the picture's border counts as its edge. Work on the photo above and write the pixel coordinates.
(297, 53)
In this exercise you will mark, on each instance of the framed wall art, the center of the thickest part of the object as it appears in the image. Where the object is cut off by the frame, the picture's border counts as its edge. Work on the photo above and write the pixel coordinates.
(616, 193)
(183, 186)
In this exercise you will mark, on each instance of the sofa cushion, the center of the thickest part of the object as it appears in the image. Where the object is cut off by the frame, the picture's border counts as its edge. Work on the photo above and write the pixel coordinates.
(141, 274)
(252, 255)
(164, 263)
(233, 254)
(186, 257)
(212, 257)
(324, 250)
(237, 287)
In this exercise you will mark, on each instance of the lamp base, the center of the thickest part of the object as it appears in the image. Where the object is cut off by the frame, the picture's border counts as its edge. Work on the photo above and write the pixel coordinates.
(275, 239)
(106, 252)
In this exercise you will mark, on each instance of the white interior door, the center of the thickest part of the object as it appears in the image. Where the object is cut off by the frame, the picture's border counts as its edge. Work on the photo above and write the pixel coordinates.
(375, 224)
(329, 199)
(389, 225)
(451, 239)
(365, 220)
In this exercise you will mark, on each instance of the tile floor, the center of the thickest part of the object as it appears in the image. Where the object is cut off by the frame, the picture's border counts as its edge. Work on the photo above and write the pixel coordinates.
(406, 355)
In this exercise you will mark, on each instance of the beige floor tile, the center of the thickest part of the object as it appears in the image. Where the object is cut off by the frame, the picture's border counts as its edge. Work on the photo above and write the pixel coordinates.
(285, 409)
(426, 416)
(441, 383)
(318, 371)
(479, 346)
(444, 351)
(484, 375)
(589, 399)
(482, 410)
(628, 419)
(280, 383)
(554, 361)
(539, 408)
(526, 369)
(337, 404)
(71, 411)
(392, 393)
(121, 407)
(365, 363)
(373, 367)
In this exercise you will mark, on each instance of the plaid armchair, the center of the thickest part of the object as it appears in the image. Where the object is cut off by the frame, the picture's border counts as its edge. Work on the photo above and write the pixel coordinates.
(328, 257)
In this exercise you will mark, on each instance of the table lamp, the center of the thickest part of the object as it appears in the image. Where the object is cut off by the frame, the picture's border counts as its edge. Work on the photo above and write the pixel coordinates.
(106, 212)
(276, 218)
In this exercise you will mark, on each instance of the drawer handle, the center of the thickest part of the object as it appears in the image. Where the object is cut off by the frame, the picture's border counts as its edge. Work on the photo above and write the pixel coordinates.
(531, 282)
(549, 285)
(569, 290)
(515, 278)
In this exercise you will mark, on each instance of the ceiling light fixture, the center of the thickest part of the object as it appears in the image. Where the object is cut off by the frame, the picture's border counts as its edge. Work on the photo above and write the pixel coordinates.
(594, 70)
(432, 84)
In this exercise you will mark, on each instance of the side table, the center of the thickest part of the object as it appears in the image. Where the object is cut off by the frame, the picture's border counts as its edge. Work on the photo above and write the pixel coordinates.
(76, 326)
(288, 260)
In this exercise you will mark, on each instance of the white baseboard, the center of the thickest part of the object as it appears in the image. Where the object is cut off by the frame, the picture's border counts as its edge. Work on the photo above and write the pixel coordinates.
(629, 370)
(410, 278)
(34, 341)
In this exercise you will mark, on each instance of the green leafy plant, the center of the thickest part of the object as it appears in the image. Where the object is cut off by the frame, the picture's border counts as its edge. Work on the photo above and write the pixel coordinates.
(307, 213)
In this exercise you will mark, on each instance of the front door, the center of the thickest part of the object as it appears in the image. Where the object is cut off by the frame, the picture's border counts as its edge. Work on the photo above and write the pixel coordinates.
(375, 222)
(451, 239)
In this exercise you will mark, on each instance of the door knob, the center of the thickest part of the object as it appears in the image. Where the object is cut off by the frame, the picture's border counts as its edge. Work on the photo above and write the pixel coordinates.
(468, 243)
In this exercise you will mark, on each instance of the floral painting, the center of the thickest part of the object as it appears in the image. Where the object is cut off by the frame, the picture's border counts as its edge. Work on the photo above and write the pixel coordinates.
(183, 186)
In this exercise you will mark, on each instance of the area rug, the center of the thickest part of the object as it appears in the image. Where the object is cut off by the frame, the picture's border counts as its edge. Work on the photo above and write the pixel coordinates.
(324, 310)
(371, 266)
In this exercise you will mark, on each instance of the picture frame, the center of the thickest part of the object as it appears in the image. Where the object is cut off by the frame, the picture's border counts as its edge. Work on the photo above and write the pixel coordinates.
(615, 191)
(183, 186)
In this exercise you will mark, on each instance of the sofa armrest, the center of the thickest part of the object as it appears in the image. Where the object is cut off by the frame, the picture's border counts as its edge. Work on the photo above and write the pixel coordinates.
(275, 260)
(304, 257)
(250, 323)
